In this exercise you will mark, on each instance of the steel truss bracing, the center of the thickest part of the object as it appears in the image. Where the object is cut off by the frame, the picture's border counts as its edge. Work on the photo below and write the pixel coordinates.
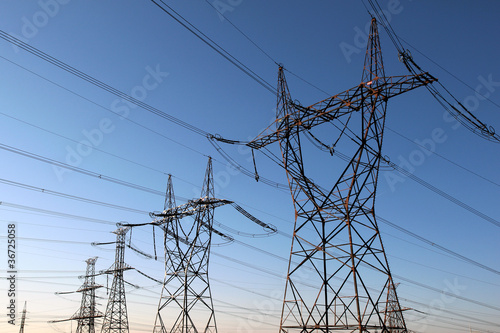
(23, 319)
(336, 243)
(115, 318)
(186, 302)
(393, 311)
(87, 313)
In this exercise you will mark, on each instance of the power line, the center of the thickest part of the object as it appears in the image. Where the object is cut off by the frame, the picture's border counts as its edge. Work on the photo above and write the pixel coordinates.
(449, 73)
(443, 157)
(72, 197)
(458, 111)
(81, 170)
(400, 47)
(96, 104)
(244, 34)
(233, 259)
(51, 212)
(263, 51)
(90, 79)
(233, 163)
(83, 143)
(135, 186)
(442, 248)
(427, 185)
(216, 47)
(444, 194)
(419, 284)
(447, 293)
(461, 316)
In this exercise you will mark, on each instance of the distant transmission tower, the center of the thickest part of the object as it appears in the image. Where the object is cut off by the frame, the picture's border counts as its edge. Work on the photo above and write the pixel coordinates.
(87, 313)
(23, 319)
(393, 311)
(336, 244)
(115, 318)
(186, 302)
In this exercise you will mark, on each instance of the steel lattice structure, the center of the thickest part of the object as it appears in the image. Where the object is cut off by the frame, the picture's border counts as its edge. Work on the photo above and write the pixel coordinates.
(336, 242)
(115, 318)
(186, 302)
(393, 311)
(86, 315)
(23, 319)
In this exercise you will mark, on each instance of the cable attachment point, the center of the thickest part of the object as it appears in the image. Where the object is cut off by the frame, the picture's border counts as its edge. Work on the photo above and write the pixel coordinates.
(491, 131)
(332, 150)
(255, 167)
(404, 56)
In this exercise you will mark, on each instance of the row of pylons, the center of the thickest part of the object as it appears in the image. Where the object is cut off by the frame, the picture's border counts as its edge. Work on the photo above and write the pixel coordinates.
(186, 286)
(344, 211)
(115, 317)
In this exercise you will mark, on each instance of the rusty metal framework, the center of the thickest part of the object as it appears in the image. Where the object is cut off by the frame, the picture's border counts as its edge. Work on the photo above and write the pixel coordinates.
(115, 317)
(186, 301)
(336, 243)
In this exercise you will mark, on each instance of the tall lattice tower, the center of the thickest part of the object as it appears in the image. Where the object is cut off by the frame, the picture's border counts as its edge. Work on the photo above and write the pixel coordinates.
(115, 318)
(336, 243)
(86, 315)
(393, 311)
(186, 302)
(23, 319)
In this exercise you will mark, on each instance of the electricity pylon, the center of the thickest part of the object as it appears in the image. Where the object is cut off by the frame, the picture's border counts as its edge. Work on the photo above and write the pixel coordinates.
(393, 312)
(336, 243)
(115, 318)
(23, 319)
(86, 315)
(186, 301)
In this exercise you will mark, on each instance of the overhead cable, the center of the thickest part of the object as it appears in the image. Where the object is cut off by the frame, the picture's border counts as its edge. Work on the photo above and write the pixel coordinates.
(457, 110)
(213, 45)
(82, 171)
(13, 40)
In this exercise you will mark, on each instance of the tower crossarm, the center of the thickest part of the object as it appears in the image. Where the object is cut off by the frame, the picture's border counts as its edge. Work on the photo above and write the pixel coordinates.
(339, 105)
(188, 209)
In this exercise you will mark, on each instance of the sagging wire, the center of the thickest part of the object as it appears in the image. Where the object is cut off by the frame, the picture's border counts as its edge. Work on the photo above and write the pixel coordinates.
(458, 111)
(331, 149)
(132, 285)
(255, 167)
(149, 277)
(92, 80)
(228, 238)
(443, 194)
(98, 245)
(213, 140)
(154, 242)
(391, 166)
(320, 144)
(213, 45)
(142, 253)
(252, 218)
(241, 233)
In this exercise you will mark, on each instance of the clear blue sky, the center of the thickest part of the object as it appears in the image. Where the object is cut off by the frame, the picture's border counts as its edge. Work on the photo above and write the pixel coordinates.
(123, 42)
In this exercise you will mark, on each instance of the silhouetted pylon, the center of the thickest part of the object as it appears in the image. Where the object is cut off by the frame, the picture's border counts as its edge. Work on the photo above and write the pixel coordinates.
(23, 319)
(393, 311)
(186, 301)
(336, 244)
(115, 318)
(86, 315)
